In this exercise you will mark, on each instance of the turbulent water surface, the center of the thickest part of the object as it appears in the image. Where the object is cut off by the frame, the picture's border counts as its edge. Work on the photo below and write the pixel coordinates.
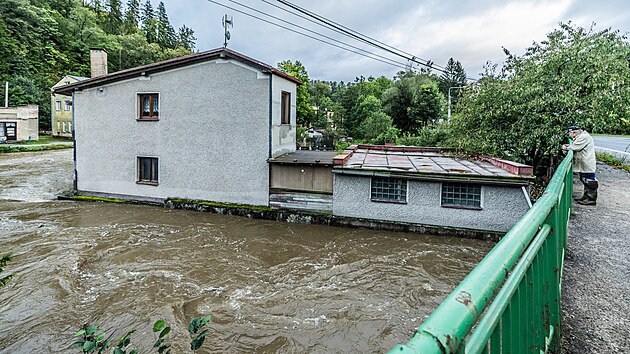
(269, 286)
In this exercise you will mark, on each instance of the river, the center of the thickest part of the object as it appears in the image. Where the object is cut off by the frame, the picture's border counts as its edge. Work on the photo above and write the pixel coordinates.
(270, 287)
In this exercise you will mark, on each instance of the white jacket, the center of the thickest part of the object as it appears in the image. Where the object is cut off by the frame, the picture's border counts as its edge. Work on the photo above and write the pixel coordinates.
(583, 148)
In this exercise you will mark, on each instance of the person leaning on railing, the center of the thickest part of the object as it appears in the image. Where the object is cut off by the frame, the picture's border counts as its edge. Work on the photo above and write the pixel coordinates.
(584, 163)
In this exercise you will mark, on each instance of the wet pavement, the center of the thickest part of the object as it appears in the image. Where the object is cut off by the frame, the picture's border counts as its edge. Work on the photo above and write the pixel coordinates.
(596, 287)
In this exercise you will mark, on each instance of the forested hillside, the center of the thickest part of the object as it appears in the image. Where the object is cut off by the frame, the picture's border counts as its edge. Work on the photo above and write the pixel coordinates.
(43, 40)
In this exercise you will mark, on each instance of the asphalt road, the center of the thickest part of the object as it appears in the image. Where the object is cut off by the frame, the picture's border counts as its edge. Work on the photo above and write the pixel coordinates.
(613, 142)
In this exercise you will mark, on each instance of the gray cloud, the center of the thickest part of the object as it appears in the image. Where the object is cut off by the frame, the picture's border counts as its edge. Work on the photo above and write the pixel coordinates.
(472, 32)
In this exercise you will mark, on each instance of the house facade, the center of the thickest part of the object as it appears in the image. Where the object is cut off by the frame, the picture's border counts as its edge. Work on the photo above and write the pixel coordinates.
(19, 123)
(197, 127)
(61, 108)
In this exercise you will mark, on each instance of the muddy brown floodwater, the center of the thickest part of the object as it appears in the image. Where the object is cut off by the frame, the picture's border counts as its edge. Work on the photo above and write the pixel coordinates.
(270, 287)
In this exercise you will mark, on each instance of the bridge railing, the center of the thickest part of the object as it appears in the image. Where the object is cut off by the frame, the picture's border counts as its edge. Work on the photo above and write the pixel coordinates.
(510, 302)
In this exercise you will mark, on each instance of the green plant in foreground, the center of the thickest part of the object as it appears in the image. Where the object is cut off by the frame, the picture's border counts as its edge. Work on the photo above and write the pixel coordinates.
(3, 263)
(93, 342)
(162, 327)
(195, 325)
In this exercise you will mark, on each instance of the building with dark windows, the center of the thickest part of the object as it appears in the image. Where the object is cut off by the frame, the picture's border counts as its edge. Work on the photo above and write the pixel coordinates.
(61, 108)
(198, 127)
(429, 186)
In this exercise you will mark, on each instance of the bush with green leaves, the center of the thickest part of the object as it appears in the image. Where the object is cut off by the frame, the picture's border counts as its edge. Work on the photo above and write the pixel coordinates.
(3, 263)
(575, 76)
(91, 340)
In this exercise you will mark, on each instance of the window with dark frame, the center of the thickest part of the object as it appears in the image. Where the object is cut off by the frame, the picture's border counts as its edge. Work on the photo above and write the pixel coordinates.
(286, 108)
(67, 106)
(57, 105)
(148, 170)
(8, 130)
(461, 195)
(149, 106)
(393, 190)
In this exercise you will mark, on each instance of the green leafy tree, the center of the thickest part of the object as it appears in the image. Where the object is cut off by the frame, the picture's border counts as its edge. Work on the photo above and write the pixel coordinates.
(365, 107)
(413, 101)
(376, 125)
(428, 105)
(297, 70)
(575, 76)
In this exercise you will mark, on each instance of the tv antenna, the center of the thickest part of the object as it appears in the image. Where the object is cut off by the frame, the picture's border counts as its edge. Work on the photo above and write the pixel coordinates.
(227, 23)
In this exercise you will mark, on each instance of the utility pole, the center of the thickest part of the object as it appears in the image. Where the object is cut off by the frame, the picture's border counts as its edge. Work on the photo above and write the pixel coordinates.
(6, 94)
(227, 23)
(449, 100)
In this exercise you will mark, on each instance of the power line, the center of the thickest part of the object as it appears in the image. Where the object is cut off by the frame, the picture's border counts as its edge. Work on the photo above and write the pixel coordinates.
(330, 24)
(363, 38)
(316, 33)
(309, 36)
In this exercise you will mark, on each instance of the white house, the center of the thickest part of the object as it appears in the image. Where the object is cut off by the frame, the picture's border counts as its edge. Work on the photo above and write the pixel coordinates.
(198, 127)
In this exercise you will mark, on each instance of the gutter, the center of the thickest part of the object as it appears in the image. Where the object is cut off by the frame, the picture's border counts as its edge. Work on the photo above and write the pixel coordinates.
(270, 113)
(436, 178)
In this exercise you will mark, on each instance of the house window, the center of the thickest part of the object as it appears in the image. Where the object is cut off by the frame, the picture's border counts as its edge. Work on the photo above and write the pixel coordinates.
(149, 106)
(57, 105)
(285, 116)
(64, 127)
(392, 190)
(460, 195)
(67, 105)
(8, 130)
(148, 170)
(69, 126)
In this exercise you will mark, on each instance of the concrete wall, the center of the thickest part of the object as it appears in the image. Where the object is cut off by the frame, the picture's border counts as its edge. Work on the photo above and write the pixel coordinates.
(212, 137)
(283, 135)
(27, 119)
(501, 206)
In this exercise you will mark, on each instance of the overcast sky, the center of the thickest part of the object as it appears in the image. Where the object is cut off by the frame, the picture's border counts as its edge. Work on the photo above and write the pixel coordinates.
(472, 32)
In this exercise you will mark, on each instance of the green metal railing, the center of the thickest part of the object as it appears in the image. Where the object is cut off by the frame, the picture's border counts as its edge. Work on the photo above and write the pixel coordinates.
(510, 302)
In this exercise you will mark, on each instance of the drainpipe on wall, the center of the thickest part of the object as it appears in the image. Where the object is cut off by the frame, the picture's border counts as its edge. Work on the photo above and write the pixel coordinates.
(74, 143)
(270, 111)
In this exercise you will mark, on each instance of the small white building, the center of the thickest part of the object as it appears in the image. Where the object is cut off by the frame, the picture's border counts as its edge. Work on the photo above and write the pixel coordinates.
(19, 123)
(198, 127)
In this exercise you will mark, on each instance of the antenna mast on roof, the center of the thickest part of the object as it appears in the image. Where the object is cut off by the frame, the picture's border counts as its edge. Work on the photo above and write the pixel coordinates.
(227, 23)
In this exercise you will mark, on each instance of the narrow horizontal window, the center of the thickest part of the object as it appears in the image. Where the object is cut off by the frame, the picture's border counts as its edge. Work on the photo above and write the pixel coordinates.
(389, 190)
(461, 195)
(148, 170)
(149, 106)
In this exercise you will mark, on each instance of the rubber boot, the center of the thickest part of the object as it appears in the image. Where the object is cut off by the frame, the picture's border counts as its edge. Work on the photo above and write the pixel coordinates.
(583, 197)
(591, 198)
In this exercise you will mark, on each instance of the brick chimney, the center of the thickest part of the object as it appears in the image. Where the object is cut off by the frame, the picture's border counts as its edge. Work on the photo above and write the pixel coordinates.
(98, 62)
